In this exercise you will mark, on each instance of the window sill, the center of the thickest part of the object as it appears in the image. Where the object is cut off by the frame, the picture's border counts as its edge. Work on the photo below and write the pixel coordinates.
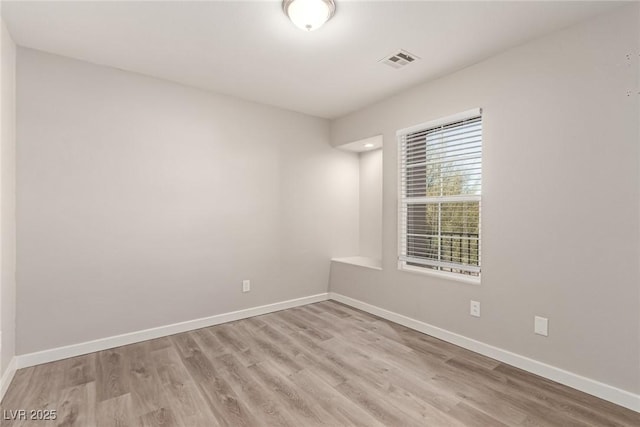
(440, 274)
(360, 261)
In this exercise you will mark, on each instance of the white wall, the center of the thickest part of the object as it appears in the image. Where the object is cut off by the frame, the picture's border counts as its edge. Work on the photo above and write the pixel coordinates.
(144, 203)
(7, 199)
(560, 216)
(371, 204)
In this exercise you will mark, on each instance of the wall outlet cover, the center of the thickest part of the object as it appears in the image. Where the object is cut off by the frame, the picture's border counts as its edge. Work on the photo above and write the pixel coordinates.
(541, 326)
(474, 308)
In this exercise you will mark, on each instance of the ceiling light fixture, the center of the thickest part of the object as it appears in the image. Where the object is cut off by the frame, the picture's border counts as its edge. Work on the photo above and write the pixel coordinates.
(368, 145)
(309, 15)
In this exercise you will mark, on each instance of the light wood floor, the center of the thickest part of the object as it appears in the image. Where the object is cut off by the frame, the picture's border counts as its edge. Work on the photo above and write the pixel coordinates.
(322, 364)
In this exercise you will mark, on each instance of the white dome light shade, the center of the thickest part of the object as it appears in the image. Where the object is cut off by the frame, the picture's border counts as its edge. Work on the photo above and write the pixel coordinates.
(309, 15)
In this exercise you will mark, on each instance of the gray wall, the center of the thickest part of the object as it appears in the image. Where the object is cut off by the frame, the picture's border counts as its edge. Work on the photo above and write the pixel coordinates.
(371, 204)
(560, 213)
(144, 203)
(8, 200)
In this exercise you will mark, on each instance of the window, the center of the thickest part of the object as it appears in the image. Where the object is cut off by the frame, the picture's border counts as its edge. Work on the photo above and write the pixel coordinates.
(440, 190)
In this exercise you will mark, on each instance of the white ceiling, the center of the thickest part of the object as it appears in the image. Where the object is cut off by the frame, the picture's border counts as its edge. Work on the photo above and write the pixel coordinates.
(251, 50)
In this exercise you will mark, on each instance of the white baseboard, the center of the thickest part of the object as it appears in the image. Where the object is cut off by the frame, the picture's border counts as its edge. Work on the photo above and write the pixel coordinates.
(45, 356)
(595, 388)
(7, 377)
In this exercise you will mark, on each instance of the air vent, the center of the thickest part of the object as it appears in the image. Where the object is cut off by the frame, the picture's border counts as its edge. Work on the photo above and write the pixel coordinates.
(399, 59)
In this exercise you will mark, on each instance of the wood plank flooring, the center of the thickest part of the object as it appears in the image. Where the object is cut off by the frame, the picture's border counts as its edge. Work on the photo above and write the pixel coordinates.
(323, 364)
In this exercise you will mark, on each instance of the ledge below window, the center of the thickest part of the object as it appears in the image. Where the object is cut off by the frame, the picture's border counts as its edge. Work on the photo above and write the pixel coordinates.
(361, 261)
(441, 274)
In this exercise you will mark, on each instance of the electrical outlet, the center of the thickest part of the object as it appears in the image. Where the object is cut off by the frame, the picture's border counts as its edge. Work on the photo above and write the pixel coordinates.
(246, 285)
(541, 326)
(474, 309)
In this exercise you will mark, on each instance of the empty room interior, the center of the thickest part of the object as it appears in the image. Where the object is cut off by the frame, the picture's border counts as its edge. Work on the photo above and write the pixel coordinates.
(320, 213)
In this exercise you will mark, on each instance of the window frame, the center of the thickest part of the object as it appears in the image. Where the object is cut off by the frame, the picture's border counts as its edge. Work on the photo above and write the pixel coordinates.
(402, 223)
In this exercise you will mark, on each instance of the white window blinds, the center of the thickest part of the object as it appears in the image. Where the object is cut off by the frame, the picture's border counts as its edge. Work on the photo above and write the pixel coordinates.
(440, 190)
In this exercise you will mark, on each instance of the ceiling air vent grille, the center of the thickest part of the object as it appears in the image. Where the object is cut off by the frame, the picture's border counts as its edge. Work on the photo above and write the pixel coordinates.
(399, 59)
